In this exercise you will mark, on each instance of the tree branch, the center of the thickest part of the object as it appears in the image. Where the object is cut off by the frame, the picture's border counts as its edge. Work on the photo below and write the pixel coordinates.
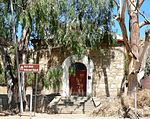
(123, 9)
(120, 19)
(144, 23)
(118, 6)
(140, 2)
(5, 42)
(22, 40)
(118, 9)
(140, 66)
(125, 37)
(143, 55)
(44, 50)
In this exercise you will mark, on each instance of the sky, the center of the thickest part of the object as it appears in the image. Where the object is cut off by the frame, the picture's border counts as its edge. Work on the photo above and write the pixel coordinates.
(145, 7)
(19, 30)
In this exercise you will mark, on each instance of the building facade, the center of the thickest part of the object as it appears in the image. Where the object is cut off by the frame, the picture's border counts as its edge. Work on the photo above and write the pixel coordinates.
(100, 73)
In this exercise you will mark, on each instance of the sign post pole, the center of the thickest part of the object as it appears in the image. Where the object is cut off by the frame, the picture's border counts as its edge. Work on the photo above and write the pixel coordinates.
(135, 102)
(20, 93)
(35, 94)
(31, 104)
(28, 68)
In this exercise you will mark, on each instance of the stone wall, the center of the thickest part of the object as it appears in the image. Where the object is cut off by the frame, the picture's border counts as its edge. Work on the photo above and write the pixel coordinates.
(108, 68)
(52, 58)
(109, 72)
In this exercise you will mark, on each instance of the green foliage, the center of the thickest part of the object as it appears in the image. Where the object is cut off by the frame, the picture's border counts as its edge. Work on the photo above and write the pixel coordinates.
(53, 78)
(86, 24)
(5, 20)
(147, 67)
(72, 71)
(2, 79)
(2, 76)
(30, 78)
(75, 24)
(1, 69)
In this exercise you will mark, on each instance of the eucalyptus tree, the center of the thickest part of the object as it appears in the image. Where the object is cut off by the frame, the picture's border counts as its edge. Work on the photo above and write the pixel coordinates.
(34, 17)
(136, 54)
(6, 47)
(16, 13)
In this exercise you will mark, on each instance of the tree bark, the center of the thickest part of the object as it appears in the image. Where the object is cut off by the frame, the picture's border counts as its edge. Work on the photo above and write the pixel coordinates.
(134, 43)
(106, 82)
(10, 78)
(136, 59)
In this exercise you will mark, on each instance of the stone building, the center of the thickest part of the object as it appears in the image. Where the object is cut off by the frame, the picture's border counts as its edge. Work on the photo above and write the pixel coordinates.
(99, 73)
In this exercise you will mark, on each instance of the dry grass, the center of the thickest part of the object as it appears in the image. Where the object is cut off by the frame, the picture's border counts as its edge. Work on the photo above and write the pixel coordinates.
(143, 98)
(109, 107)
(114, 106)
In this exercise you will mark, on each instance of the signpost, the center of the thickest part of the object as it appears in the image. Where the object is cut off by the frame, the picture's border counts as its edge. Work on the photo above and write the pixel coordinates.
(30, 68)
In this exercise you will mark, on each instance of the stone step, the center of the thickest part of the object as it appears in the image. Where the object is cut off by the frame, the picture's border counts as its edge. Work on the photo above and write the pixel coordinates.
(72, 100)
(73, 105)
(78, 109)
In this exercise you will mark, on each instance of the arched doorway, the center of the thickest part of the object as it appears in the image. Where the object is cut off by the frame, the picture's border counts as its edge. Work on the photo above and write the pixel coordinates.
(77, 79)
(87, 63)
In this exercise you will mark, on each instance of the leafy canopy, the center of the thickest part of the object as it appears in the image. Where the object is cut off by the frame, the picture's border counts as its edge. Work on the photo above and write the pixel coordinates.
(76, 24)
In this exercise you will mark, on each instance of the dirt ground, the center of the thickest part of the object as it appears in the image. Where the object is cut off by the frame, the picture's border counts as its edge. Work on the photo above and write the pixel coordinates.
(26, 115)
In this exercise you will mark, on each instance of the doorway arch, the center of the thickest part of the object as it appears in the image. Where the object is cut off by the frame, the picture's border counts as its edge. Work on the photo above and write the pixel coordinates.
(88, 65)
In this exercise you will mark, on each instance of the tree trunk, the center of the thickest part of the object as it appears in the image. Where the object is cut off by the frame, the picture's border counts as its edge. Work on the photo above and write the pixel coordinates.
(36, 56)
(134, 42)
(106, 82)
(10, 78)
(23, 59)
(138, 73)
(136, 59)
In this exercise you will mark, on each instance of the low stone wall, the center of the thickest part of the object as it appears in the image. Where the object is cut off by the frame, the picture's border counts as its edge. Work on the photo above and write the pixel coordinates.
(3, 90)
(3, 97)
(40, 98)
(4, 100)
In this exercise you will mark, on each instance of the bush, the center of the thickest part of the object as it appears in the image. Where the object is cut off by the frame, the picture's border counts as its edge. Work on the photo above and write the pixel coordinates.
(53, 78)
(2, 76)
(147, 67)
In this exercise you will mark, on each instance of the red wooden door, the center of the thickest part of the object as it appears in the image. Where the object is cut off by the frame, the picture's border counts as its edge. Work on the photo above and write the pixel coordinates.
(77, 83)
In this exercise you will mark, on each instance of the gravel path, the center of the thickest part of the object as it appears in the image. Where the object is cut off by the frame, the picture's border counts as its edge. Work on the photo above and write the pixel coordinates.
(57, 116)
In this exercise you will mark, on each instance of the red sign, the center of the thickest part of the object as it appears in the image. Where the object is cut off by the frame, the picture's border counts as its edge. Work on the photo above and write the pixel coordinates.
(29, 67)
